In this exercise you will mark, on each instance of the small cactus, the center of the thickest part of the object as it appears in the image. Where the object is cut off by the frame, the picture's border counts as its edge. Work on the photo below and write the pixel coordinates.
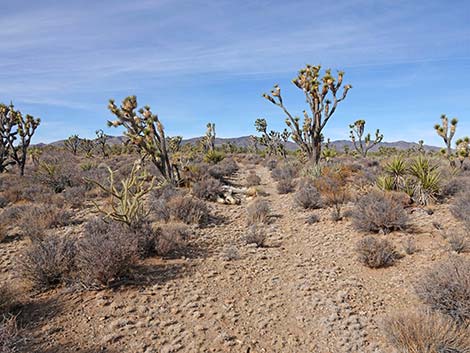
(127, 201)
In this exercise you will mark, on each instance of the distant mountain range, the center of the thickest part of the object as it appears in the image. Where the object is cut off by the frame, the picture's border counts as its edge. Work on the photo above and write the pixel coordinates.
(245, 141)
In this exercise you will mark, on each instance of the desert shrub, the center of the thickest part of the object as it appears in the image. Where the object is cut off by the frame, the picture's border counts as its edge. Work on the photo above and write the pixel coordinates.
(187, 209)
(48, 262)
(271, 164)
(34, 220)
(258, 212)
(454, 186)
(252, 179)
(74, 196)
(160, 197)
(8, 334)
(460, 209)
(307, 196)
(379, 211)
(105, 254)
(224, 169)
(285, 186)
(57, 173)
(284, 172)
(332, 185)
(459, 242)
(311, 219)
(446, 288)
(255, 235)
(376, 253)
(7, 299)
(409, 246)
(3, 201)
(171, 237)
(425, 332)
(230, 253)
(207, 189)
(3, 230)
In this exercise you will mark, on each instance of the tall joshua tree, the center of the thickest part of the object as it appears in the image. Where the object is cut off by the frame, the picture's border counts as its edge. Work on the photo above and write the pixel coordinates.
(209, 139)
(20, 131)
(72, 144)
(102, 142)
(323, 94)
(447, 133)
(362, 143)
(274, 141)
(462, 149)
(6, 130)
(146, 132)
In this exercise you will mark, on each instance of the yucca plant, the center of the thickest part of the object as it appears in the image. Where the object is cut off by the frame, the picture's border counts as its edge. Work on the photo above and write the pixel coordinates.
(396, 169)
(386, 183)
(426, 180)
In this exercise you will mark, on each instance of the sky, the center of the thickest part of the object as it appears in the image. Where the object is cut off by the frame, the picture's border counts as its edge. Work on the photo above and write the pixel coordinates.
(196, 61)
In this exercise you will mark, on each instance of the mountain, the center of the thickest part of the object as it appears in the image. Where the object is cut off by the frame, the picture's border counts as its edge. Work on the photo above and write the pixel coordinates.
(245, 141)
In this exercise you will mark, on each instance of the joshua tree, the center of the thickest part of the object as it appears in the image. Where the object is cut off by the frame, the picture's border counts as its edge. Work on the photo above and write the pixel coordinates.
(6, 127)
(102, 142)
(421, 147)
(323, 96)
(462, 149)
(35, 154)
(87, 146)
(274, 141)
(254, 143)
(17, 131)
(72, 144)
(362, 143)
(146, 132)
(174, 143)
(208, 141)
(447, 133)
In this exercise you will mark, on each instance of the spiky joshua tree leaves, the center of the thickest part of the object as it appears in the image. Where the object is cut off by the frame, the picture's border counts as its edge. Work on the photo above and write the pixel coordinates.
(274, 141)
(447, 132)
(362, 143)
(323, 94)
(146, 132)
(16, 132)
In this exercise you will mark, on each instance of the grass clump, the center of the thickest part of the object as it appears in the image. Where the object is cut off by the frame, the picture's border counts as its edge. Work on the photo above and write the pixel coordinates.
(424, 332)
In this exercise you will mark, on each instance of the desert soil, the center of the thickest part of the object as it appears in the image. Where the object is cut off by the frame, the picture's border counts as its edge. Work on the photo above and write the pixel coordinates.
(304, 292)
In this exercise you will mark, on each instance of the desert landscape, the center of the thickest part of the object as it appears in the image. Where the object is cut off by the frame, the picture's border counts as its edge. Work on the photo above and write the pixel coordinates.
(124, 236)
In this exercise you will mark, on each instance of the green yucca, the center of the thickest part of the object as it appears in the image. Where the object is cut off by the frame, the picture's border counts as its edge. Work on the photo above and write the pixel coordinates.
(397, 170)
(386, 183)
(426, 180)
(213, 156)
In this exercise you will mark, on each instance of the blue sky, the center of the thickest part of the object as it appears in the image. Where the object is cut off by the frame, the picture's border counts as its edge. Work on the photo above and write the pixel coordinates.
(199, 61)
